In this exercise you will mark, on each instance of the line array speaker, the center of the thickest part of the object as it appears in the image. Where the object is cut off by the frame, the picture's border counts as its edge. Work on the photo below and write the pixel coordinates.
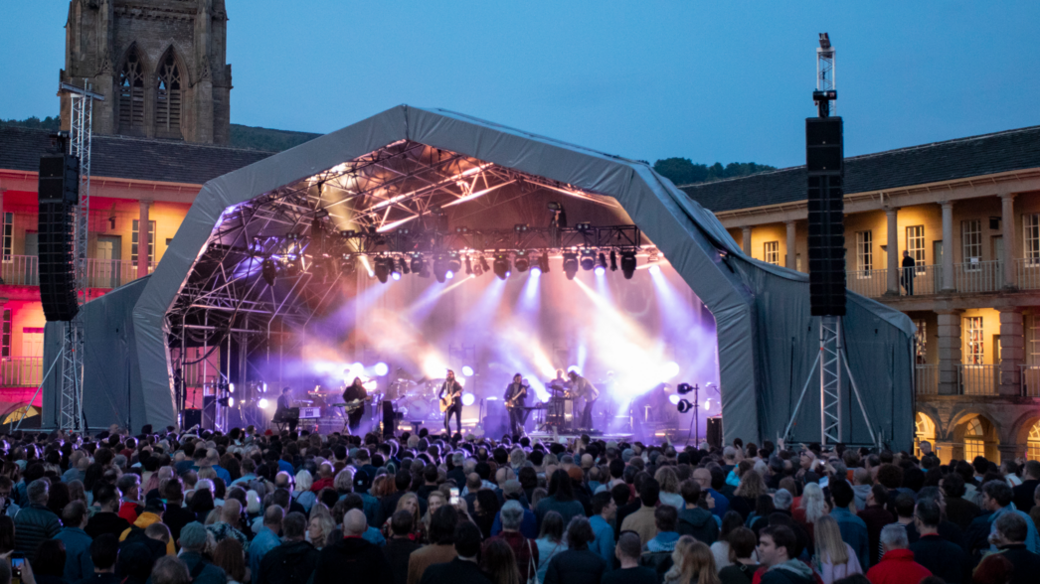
(824, 158)
(58, 193)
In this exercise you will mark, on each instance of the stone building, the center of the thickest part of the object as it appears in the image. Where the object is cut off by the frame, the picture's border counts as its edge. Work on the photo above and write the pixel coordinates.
(968, 212)
(160, 64)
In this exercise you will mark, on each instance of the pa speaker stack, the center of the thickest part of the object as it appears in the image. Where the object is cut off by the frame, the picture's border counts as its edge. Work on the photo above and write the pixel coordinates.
(58, 194)
(825, 168)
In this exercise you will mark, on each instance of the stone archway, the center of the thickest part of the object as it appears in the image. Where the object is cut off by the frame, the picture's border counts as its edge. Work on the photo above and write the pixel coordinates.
(974, 434)
(924, 431)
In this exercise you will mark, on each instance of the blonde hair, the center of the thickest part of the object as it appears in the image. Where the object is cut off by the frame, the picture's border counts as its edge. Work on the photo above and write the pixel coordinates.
(668, 479)
(813, 503)
(830, 548)
(327, 527)
(692, 559)
(415, 515)
(751, 486)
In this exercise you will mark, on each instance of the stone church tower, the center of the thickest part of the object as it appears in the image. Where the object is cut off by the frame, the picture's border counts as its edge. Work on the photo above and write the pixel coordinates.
(161, 65)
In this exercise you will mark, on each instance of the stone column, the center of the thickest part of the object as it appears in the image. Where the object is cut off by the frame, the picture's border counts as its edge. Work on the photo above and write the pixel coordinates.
(142, 240)
(792, 260)
(944, 450)
(1007, 223)
(1012, 350)
(947, 259)
(892, 252)
(746, 243)
(1010, 451)
(949, 351)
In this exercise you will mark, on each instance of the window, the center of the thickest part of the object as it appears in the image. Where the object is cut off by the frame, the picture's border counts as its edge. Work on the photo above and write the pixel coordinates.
(922, 337)
(772, 252)
(974, 350)
(131, 93)
(168, 97)
(865, 252)
(915, 245)
(151, 242)
(1031, 239)
(8, 235)
(924, 431)
(971, 243)
(5, 336)
(974, 440)
(1033, 443)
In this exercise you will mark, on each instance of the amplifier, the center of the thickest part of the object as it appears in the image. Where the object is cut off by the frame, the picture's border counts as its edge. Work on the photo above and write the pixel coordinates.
(310, 413)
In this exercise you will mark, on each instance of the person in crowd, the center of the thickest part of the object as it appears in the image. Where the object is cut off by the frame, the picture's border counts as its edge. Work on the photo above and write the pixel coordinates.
(364, 560)
(628, 552)
(77, 543)
(853, 529)
(228, 526)
(1009, 535)
(746, 496)
(229, 556)
(897, 565)
(170, 570)
(463, 568)
(498, 562)
(695, 520)
(560, 499)
(550, 542)
(692, 563)
(50, 563)
(659, 550)
(833, 559)
(996, 498)
(267, 539)
(294, 560)
(485, 508)
(742, 542)
(400, 545)
(35, 523)
(441, 548)
(704, 478)
(525, 552)
(104, 551)
(176, 515)
(669, 483)
(958, 509)
(577, 565)
(876, 517)
(941, 557)
(603, 512)
(720, 548)
(642, 521)
(130, 506)
(151, 514)
(1024, 493)
(194, 539)
(776, 546)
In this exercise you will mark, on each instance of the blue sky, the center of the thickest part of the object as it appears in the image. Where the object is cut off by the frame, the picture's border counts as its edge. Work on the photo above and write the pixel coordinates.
(711, 81)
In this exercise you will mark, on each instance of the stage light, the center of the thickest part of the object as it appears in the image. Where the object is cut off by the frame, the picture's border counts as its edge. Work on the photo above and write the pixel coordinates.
(263, 388)
(381, 369)
(655, 269)
(583, 227)
(543, 263)
(395, 271)
(671, 369)
(601, 264)
(467, 371)
(628, 264)
(263, 403)
(501, 266)
(613, 261)
(570, 264)
(454, 265)
(468, 399)
(440, 268)
(469, 267)
(684, 406)
(381, 269)
(588, 260)
(521, 262)
(231, 387)
(674, 398)
(292, 268)
(484, 265)
(417, 264)
(231, 402)
(268, 271)
(404, 266)
(520, 227)
(449, 275)
(684, 388)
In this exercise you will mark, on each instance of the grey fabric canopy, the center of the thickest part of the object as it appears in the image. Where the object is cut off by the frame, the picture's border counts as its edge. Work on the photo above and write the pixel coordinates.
(766, 337)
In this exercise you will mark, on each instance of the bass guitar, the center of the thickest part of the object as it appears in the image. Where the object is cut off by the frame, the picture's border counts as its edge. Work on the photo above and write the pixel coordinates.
(515, 400)
(449, 399)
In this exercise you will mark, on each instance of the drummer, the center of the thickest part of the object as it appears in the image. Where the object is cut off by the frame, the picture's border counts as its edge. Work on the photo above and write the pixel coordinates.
(558, 385)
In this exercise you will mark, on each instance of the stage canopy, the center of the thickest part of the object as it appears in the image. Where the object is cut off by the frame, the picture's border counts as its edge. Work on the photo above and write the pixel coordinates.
(384, 173)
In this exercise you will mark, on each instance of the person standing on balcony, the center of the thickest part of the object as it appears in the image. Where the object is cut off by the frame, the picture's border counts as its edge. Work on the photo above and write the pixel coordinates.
(908, 272)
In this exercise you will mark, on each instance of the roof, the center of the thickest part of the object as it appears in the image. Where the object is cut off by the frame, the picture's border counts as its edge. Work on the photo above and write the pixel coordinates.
(929, 163)
(131, 158)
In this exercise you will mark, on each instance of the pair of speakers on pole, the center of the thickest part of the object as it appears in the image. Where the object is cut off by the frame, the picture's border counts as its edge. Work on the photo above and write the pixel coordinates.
(825, 168)
(58, 195)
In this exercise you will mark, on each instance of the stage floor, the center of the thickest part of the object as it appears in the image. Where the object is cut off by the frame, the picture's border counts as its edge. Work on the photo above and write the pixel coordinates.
(549, 437)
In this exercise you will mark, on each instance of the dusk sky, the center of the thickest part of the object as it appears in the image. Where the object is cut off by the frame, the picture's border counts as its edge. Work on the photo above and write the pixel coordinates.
(710, 81)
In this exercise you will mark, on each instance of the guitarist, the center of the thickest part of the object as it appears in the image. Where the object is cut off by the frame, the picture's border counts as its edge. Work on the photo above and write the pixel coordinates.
(451, 392)
(582, 388)
(355, 391)
(516, 398)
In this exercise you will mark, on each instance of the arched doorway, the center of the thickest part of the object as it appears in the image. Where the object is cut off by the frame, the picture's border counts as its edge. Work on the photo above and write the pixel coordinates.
(1033, 442)
(976, 436)
(924, 430)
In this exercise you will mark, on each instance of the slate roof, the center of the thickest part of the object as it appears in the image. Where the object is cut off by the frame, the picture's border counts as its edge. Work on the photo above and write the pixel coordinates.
(929, 163)
(131, 158)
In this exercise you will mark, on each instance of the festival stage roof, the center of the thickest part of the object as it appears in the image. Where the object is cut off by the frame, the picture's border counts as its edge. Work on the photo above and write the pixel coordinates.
(402, 168)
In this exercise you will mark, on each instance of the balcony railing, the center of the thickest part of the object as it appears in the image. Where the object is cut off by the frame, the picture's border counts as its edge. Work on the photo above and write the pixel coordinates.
(978, 379)
(926, 379)
(869, 283)
(926, 279)
(23, 270)
(1030, 379)
(1028, 273)
(21, 371)
(970, 277)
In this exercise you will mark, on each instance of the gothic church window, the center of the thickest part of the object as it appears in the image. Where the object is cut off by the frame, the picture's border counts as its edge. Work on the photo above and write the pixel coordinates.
(131, 93)
(168, 97)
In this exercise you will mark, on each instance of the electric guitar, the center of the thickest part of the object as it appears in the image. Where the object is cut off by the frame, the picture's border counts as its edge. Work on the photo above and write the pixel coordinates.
(352, 405)
(515, 400)
(449, 400)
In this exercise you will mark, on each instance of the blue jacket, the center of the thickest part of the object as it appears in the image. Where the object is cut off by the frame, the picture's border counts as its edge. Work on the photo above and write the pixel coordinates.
(528, 527)
(604, 542)
(854, 532)
(264, 542)
(373, 536)
(78, 564)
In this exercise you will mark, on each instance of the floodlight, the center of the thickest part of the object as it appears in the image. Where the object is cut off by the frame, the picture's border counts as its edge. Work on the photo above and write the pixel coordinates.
(521, 262)
(570, 264)
(502, 266)
(440, 268)
(601, 264)
(684, 388)
(588, 260)
(381, 268)
(684, 406)
(543, 263)
(268, 271)
(628, 264)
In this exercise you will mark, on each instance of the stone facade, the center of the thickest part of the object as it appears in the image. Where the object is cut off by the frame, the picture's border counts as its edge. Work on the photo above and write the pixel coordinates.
(160, 64)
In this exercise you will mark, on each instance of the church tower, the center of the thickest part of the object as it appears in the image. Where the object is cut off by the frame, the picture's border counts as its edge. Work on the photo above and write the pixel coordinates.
(161, 65)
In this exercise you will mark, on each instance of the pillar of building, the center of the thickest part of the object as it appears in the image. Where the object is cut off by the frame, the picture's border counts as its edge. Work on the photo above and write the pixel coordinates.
(1009, 452)
(892, 252)
(949, 351)
(1007, 224)
(1012, 350)
(746, 243)
(142, 240)
(947, 256)
(944, 450)
(792, 261)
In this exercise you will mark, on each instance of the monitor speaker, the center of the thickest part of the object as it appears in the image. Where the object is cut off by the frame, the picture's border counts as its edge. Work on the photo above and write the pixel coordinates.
(192, 418)
(715, 432)
(389, 421)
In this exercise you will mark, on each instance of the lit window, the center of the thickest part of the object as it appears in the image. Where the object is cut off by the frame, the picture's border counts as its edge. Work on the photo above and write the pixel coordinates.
(974, 353)
(971, 243)
(151, 242)
(8, 235)
(772, 252)
(5, 336)
(974, 440)
(915, 245)
(1031, 239)
(1033, 443)
(922, 336)
(865, 252)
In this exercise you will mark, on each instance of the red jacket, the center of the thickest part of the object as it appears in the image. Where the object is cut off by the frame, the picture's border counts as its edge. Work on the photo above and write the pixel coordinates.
(129, 511)
(897, 567)
(321, 484)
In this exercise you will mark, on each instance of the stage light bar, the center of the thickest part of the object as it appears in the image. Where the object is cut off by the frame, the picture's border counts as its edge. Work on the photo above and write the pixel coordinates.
(570, 264)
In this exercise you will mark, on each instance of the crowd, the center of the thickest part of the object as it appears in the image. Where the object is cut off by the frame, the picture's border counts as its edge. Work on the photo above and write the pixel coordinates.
(287, 508)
